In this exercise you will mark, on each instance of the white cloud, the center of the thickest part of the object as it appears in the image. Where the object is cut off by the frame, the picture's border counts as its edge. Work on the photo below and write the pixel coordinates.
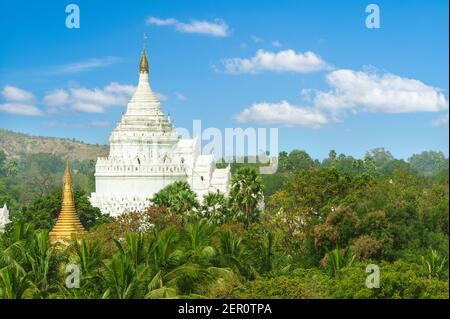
(89, 100)
(180, 96)
(20, 109)
(18, 102)
(372, 92)
(281, 113)
(99, 97)
(161, 96)
(86, 65)
(282, 61)
(217, 28)
(442, 121)
(57, 123)
(161, 22)
(117, 88)
(56, 99)
(12, 93)
(86, 107)
(276, 43)
(353, 91)
(100, 123)
(128, 90)
(256, 39)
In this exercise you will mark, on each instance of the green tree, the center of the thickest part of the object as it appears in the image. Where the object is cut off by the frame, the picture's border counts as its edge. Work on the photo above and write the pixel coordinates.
(125, 273)
(429, 163)
(380, 157)
(121, 279)
(178, 197)
(215, 208)
(299, 160)
(246, 194)
(39, 257)
(2, 162)
(14, 284)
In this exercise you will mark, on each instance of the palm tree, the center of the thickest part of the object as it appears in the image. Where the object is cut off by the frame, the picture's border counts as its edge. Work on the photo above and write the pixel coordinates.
(339, 259)
(125, 274)
(169, 264)
(183, 265)
(20, 252)
(134, 250)
(39, 255)
(196, 279)
(234, 254)
(14, 284)
(154, 292)
(88, 256)
(21, 231)
(198, 271)
(164, 254)
(434, 264)
(267, 252)
(178, 197)
(12, 243)
(199, 235)
(246, 195)
(215, 208)
(88, 253)
(121, 279)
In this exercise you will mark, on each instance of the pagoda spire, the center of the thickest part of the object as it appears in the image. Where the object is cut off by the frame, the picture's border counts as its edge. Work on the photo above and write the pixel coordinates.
(68, 222)
(143, 65)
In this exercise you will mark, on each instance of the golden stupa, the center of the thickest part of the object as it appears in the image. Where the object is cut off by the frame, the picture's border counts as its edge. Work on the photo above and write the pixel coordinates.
(68, 223)
(143, 65)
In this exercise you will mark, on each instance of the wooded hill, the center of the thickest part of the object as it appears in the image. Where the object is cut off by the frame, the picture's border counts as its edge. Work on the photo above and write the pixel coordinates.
(16, 144)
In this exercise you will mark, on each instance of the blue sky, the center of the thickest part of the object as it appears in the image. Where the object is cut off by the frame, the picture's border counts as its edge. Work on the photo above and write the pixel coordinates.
(311, 68)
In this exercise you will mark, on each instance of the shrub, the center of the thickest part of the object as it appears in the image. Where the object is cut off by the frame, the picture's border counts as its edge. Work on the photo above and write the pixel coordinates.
(365, 247)
(281, 287)
(397, 280)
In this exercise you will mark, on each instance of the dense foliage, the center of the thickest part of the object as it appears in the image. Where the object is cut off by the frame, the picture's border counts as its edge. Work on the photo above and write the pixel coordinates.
(308, 231)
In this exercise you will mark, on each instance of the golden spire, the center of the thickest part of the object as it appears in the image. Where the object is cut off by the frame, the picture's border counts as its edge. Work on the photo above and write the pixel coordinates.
(143, 65)
(68, 222)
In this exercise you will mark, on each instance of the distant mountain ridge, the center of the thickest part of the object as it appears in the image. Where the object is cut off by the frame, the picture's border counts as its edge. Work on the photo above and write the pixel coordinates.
(14, 144)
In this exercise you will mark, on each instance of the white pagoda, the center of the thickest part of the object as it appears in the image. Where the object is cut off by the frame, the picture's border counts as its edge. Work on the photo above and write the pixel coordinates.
(146, 155)
(4, 217)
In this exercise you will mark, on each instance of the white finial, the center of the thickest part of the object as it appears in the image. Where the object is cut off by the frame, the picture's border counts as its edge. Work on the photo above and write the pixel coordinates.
(145, 41)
